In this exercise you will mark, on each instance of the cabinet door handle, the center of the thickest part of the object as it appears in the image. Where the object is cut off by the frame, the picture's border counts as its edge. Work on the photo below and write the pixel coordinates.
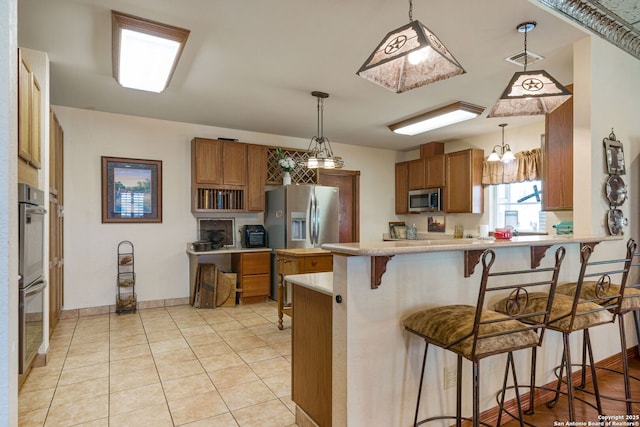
(314, 262)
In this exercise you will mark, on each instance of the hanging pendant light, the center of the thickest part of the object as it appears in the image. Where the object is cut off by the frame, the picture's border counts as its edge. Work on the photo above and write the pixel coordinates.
(530, 92)
(319, 153)
(410, 57)
(506, 155)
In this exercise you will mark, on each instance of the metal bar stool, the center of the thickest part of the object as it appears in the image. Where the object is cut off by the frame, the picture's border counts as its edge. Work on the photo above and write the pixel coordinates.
(474, 332)
(573, 311)
(619, 299)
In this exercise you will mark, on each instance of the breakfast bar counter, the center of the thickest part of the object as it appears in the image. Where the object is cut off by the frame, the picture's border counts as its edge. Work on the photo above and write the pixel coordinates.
(376, 366)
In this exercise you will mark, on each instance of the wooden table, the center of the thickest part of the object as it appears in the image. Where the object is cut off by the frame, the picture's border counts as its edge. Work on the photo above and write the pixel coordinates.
(298, 261)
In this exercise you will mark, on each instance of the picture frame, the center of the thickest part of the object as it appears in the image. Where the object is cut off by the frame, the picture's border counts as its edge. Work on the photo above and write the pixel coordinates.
(131, 190)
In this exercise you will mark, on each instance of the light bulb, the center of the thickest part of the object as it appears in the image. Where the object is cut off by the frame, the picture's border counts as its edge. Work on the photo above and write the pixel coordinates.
(418, 56)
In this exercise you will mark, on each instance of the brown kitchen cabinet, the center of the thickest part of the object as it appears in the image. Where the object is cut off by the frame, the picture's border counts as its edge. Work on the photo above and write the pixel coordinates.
(417, 174)
(56, 221)
(218, 176)
(311, 358)
(218, 162)
(557, 159)
(29, 114)
(257, 165)
(402, 188)
(298, 261)
(434, 175)
(254, 275)
(463, 192)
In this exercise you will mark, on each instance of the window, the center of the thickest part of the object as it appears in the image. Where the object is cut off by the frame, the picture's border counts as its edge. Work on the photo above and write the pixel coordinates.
(517, 205)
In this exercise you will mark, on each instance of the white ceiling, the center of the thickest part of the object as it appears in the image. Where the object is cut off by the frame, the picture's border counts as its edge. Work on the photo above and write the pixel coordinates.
(253, 64)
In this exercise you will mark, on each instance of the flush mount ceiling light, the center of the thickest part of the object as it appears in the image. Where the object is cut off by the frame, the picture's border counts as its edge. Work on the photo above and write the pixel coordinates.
(410, 57)
(530, 92)
(320, 154)
(506, 155)
(441, 117)
(144, 53)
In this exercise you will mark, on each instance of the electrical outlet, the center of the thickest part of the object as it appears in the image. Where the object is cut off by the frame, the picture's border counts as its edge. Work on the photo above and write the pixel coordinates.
(450, 376)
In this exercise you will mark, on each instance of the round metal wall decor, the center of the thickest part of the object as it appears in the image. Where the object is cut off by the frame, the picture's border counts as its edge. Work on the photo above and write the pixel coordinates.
(615, 190)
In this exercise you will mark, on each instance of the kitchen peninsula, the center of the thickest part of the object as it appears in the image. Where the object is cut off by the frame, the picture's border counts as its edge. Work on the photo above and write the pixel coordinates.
(376, 366)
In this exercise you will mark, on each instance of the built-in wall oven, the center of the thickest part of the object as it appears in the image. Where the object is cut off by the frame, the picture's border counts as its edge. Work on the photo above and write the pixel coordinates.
(31, 223)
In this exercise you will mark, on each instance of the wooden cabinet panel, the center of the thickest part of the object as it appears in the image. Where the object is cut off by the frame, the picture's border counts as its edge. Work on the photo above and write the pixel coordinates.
(417, 174)
(234, 163)
(316, 264)
(29, 114)
(463, 192)
(311, 363)
(256, 285)
(254, 275)
(557, 159)
(206, 161)
(402, 188)
(435, 167)
(257, 177)
(256, 263)
(36, 120)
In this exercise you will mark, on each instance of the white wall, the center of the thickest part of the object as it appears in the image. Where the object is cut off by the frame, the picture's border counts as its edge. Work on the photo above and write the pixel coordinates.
(8, 215)
(161, 262)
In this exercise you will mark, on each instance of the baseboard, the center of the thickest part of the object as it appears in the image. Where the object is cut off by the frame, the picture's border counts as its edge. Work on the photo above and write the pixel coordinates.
(490, 416)
(106, 309)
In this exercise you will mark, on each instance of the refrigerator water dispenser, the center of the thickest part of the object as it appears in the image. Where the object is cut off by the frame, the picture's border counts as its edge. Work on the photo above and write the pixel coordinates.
(298, 225)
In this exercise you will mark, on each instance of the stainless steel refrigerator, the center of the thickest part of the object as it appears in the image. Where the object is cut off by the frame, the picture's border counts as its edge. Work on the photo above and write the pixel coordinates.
(300, 216)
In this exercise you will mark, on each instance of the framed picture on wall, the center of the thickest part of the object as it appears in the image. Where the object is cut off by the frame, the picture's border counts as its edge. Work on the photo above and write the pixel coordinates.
(131, 190)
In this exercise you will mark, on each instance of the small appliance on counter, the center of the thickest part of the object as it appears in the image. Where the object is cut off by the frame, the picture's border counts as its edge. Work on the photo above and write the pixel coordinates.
(214, 234)
(564, 227)
(254, 236)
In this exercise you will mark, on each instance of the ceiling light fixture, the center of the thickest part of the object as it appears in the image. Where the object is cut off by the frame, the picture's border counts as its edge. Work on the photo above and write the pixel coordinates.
(441, 117)
(320, 154)
(144, 53)
(506, 155)
(530, 92)
(410, 57)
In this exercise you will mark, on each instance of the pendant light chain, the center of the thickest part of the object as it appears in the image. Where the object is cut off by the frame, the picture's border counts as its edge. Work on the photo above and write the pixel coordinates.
(320, 119)
(526, 56)
(410, 10)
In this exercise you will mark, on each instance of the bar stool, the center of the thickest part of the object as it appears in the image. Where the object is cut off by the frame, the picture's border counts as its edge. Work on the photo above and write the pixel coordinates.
(474, 332)
(571, 313)
(607, 295)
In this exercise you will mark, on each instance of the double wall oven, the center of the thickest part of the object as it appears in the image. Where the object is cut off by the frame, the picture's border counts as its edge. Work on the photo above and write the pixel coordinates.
(31, 222)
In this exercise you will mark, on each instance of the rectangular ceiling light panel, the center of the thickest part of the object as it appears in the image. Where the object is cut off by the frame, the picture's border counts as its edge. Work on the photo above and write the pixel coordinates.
(145, 53)
(445, 116)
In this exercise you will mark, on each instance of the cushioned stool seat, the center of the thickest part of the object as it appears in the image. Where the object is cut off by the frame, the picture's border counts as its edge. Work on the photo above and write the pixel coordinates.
(451, 327)
(590, 291)
(587, 313)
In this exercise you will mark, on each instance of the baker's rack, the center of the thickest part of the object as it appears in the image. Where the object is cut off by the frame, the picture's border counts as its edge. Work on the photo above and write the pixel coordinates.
(126, 300)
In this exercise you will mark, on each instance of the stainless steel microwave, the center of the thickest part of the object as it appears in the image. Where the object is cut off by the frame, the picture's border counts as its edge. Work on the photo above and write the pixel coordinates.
(429, 200)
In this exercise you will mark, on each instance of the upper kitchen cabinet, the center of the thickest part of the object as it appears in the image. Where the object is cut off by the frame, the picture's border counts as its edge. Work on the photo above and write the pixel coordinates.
(463, 193)
(220, 178)
(417, 173)
(218, 162)
(29, 115)
(557, 158)
(402, 188)
(435, 167)
(256, 163)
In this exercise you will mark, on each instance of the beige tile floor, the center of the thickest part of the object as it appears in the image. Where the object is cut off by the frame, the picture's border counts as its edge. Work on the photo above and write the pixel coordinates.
(169, 366)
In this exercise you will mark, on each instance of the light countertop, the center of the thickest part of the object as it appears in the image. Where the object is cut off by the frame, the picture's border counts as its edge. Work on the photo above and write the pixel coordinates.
(398, 247)
(319, 282)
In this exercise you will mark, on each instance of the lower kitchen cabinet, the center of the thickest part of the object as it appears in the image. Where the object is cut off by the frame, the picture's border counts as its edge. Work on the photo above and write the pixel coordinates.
(311, 359)
(254, 275)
